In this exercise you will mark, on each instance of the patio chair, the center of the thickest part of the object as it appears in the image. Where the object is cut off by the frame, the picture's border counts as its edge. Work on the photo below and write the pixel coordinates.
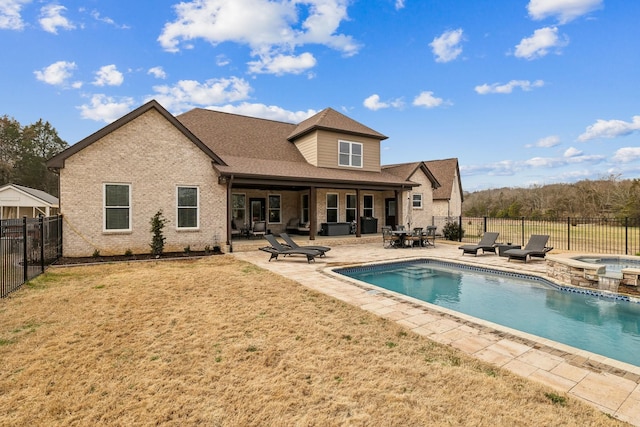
(487, 244)
(429, 236)
(414, 237)
(536, 247)
(259, 229)
(389, 240)
(293, 245)
(277, 249)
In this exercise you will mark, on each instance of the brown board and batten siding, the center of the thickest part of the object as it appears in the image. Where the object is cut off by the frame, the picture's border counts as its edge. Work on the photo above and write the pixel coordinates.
(328, 150)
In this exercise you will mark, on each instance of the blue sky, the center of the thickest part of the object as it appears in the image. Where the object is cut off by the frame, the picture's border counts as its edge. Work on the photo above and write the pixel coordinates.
(521, 92)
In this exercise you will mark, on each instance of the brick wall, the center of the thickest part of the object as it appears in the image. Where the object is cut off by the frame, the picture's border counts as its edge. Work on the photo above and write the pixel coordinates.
(154, 157)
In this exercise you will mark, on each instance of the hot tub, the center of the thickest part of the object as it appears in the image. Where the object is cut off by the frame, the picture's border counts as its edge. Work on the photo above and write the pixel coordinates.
(615, 273)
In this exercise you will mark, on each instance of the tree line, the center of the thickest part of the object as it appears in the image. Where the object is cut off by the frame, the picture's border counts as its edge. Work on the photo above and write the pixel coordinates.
(609, 197)
(24, 151)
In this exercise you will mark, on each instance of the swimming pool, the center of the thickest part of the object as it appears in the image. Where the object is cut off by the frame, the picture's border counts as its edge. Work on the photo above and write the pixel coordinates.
(606, 325)
(612, 263)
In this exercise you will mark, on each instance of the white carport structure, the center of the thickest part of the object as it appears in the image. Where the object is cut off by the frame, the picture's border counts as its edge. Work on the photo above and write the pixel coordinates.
(17, 201)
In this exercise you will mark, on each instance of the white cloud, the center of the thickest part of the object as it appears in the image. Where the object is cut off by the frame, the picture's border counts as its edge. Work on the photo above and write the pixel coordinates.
(57, 73)
(96, 15)
(399, 4)
(525, 85)
(446, 47)
(426, 99)
(610, 129)
(539, 44)
(189, 93)
(222, 60)
(270, 112)
(283, 64)
(51, 18)
(626, 154)
(272, 28)
(548, 141)
(108, 75)
(564, 10)
(373, 103)
(10, 18)
(572, 152)
(105, 108)
(157, 72)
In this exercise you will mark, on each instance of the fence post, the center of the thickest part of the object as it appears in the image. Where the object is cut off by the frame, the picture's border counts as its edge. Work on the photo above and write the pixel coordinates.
(522, 232)
(41, 224)
(626, 235)
(460, 228)
(568, 233)
(485, 224)
(25, 267)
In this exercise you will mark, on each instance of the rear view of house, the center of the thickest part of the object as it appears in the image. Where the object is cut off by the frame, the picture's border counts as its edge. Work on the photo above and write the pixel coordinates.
(215, 175)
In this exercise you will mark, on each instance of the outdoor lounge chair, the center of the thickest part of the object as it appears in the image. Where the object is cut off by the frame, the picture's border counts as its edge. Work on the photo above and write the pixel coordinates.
(536, 247)
(277, 249)
(487, 244)
(293, 245)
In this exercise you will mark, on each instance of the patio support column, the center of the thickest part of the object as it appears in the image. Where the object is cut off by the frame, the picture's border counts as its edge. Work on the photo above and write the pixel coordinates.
(399, 208)
(313, 213)
(359, 212)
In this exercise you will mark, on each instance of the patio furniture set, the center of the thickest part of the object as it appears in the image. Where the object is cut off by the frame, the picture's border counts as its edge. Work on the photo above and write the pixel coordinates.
(536, 247)
(418, 237)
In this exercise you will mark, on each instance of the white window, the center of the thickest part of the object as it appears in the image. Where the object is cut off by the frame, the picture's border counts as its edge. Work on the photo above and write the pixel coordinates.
(305, 208)
(350, 154)
(332, 208)
(351, 207)
(188, 207)
(367, 209)
(417, 201)
(117, 207)
(274, 209)
(238, 208)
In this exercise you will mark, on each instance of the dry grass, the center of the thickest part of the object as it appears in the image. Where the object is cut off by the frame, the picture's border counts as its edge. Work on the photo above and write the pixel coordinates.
(220, 342)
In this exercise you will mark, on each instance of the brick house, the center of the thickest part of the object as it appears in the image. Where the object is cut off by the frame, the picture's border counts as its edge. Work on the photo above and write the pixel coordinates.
(214, 175)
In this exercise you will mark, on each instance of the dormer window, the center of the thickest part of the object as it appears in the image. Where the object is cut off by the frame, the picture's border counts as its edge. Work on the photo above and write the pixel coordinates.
(350, 154)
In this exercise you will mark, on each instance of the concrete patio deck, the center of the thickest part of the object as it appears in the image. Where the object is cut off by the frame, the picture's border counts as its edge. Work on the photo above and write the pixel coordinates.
(609, 385)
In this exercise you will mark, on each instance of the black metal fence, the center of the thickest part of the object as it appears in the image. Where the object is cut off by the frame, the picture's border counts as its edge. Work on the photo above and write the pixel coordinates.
(27, 245)
(587, 235)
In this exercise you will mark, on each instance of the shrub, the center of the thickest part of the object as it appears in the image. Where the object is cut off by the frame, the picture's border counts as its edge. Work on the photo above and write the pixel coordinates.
(157, 241)
(452, 231)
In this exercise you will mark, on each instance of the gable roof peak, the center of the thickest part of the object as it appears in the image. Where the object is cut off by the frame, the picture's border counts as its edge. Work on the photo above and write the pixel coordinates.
(332, 120)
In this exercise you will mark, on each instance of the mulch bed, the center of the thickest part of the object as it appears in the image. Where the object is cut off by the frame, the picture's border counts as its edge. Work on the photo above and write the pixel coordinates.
(135, 257)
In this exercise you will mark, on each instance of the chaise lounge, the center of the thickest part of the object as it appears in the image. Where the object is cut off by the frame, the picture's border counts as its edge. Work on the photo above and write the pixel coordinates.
(277, 249)
(293, 245)
(487, 244)
(536, 247)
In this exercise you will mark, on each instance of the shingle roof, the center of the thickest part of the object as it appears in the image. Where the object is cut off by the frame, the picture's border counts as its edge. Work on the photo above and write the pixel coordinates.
(445, 170)
(330, 119)
(406, 171)
(259, 148)
(38, 194)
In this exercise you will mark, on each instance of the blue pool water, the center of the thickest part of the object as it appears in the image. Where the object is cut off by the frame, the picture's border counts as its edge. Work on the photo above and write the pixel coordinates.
(602, 325)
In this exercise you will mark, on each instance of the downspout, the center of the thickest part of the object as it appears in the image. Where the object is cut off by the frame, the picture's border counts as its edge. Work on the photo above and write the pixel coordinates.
(313, 213)
(229, 210)
(359, 213)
